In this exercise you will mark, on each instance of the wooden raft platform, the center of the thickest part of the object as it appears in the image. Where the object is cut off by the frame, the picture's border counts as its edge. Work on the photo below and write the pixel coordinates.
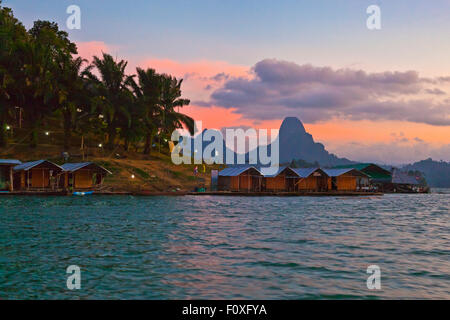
(285, 194)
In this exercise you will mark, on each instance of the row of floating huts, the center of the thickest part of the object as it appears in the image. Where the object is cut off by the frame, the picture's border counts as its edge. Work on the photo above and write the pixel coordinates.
(351, 178)
(44, 175)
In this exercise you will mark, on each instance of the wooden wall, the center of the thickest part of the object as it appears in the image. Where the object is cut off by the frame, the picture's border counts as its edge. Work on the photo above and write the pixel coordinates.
(40, 178)
(346, 183)
(309, 183)
(83, 179)
(277, 183)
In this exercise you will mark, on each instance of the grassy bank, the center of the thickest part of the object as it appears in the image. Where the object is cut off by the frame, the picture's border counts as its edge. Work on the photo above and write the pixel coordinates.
(131, 171)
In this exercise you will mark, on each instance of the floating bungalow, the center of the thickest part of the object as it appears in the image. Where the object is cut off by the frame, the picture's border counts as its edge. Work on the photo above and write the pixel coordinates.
(241, 178)
(36, 175)
(378, 177)
(84, 175)
(289, 179)
(404, 183)
(280, 181)
(310, 179)
(7, 174)
(292, 180)
(347, 180)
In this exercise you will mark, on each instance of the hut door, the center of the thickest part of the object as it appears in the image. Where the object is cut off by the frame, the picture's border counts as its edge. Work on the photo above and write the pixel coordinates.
(290, 184)
(322, 184)
(255, 183)
(333, 183)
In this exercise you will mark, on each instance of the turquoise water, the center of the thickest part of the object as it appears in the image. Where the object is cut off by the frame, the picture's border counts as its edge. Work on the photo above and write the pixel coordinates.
(225, 247)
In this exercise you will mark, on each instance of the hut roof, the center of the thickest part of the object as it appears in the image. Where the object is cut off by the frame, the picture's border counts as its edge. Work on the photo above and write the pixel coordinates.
(9, 162)
(30, 165)
(72, 167)
(404, 178)
(375, 172)
(235, 171)
(340, 172)
(280, 169)
(305, 172)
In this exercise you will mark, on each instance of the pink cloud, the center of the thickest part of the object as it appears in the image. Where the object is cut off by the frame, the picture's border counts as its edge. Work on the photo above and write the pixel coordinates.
(92, 48)
(200, 78)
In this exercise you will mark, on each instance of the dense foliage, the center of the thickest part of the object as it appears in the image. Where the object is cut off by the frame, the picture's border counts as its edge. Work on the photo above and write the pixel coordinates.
(42, 78)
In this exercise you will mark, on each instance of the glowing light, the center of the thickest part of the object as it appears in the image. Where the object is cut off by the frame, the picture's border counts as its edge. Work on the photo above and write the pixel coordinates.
(47, 133)
(100, 145)
(132, 176)
(8, 127)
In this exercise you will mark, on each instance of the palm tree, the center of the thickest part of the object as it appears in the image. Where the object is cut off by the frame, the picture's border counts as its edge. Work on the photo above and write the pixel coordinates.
(148, 93)
(72, 100)
(171, 99)
(113, 94)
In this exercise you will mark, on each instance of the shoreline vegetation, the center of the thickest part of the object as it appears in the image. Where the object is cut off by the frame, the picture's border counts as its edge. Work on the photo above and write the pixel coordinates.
(49, 95)
(57, 106)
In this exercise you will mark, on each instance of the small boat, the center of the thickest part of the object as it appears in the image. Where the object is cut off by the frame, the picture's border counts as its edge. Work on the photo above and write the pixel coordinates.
(82, 193)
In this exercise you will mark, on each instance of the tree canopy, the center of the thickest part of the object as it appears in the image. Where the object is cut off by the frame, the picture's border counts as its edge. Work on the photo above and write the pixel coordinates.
(45, 84)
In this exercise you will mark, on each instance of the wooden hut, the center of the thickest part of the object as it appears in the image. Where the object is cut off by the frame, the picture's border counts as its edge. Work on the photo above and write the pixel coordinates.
(6, 174)
(378, 177)
(84, 175)
(309, 179)
(348, 179)
(282, 180)
(41, 174)
(404, 183)
(240, 178)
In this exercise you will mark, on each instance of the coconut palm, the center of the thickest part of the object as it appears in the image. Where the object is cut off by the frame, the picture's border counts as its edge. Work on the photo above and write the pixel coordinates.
(113, 96)
(170, 99)
(148, 93)
(72, 100)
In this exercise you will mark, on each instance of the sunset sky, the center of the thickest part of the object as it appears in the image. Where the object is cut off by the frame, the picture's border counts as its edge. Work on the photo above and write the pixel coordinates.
(368, 95)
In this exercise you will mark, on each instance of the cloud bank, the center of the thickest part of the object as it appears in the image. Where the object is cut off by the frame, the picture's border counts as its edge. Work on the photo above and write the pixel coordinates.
(279, 88)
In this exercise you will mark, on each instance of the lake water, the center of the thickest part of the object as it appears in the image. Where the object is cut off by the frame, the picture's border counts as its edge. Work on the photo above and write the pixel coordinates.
(225, 247)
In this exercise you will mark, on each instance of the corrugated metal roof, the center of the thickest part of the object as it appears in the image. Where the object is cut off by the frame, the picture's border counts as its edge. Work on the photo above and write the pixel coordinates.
(10, 161)
(304, 172)
(404, 178)
(76, 166)
(280, 169)
(383, 174)
(339, 172)
(29, 165)
(235, 171)
(357, 166)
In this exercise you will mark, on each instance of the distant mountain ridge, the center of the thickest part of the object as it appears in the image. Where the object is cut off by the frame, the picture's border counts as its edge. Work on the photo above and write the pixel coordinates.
(437, 173)
(297, 144)
(294, 144)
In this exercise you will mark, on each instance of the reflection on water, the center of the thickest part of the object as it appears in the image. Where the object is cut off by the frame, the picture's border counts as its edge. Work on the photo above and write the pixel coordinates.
(225, 247)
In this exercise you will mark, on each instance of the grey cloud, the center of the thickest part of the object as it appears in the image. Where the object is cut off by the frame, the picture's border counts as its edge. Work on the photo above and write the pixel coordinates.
(281, 88)
(435, 91)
